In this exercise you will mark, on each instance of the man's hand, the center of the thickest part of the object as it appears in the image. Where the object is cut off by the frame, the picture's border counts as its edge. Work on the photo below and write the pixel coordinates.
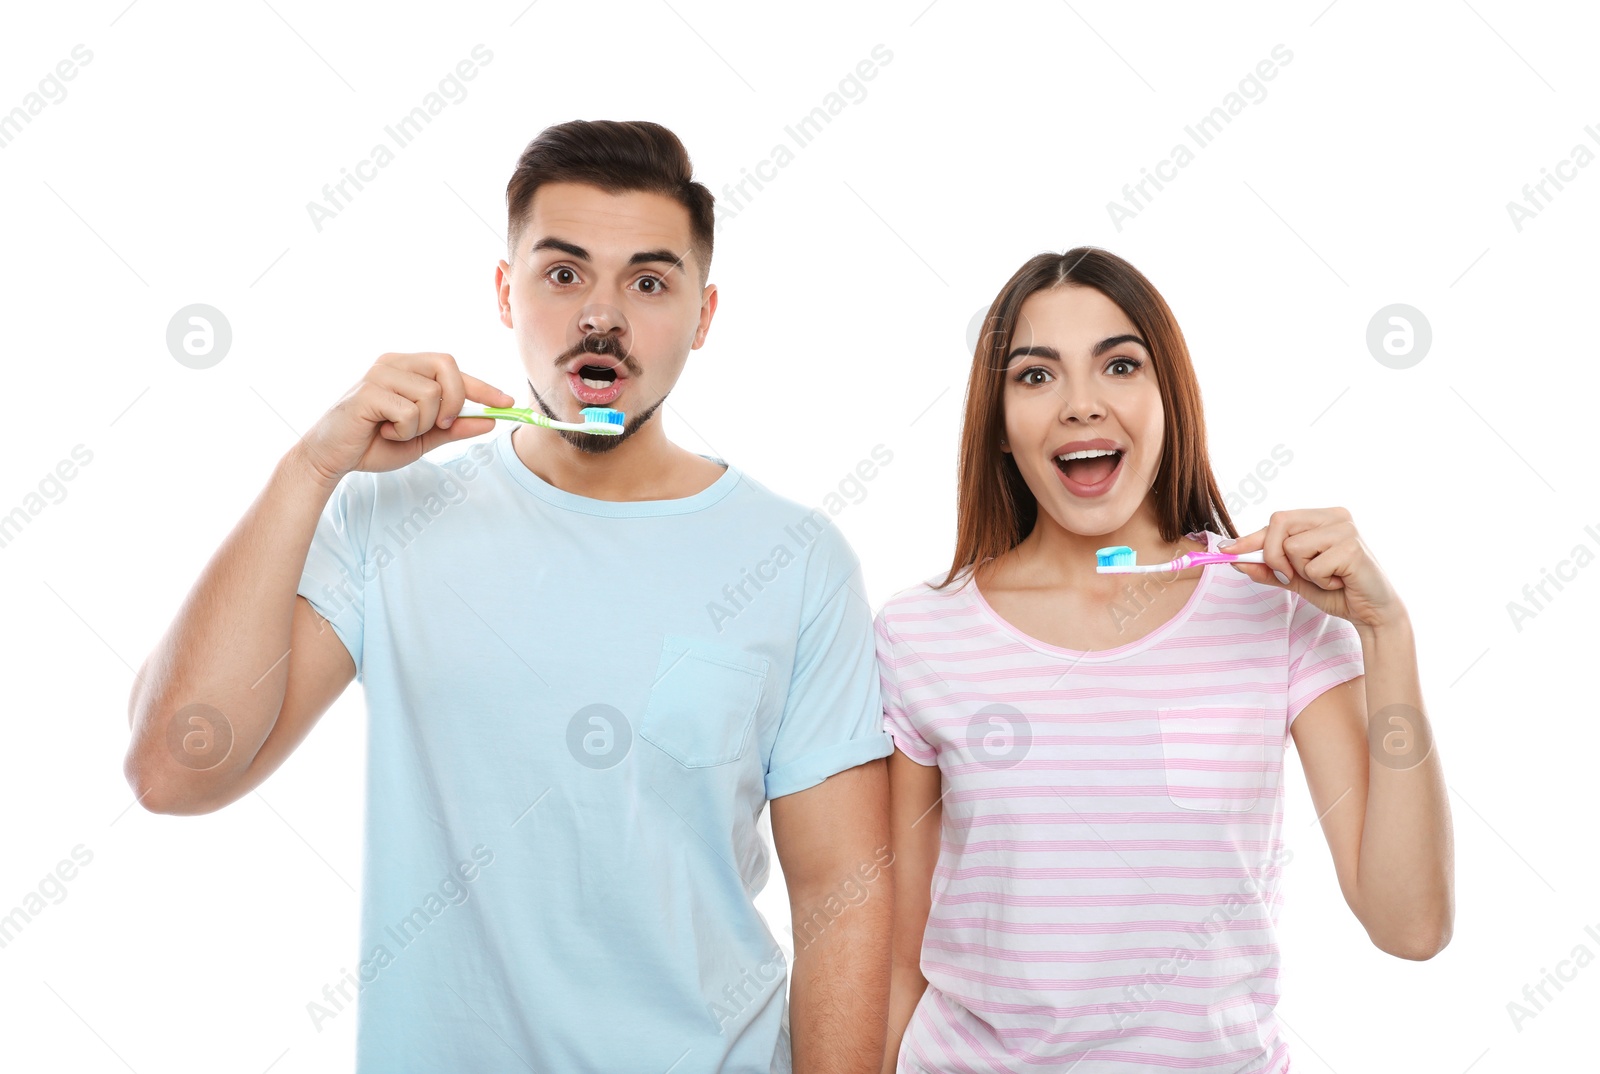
(404, 407)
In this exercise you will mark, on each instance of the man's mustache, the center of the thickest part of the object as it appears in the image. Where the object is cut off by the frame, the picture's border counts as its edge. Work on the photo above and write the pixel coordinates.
(602, 344)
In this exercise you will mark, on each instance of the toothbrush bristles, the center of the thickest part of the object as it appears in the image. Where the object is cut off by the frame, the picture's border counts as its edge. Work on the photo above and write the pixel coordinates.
(1115, 556)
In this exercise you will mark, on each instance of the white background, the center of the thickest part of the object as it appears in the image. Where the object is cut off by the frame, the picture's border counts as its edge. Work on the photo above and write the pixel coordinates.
(1376, 170)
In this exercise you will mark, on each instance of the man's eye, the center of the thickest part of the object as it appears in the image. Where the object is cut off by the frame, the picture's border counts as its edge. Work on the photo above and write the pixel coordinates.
(656, 284)
(562, 274)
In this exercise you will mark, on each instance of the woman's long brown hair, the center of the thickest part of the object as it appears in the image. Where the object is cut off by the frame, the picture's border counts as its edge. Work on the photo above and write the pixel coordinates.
(995, 509)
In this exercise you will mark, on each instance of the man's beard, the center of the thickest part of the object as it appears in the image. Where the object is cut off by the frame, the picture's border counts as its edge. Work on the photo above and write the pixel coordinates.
(592, 443)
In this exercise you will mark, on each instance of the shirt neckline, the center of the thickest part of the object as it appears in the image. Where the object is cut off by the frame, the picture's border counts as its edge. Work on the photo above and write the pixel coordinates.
(571, 501)
(1102, 655)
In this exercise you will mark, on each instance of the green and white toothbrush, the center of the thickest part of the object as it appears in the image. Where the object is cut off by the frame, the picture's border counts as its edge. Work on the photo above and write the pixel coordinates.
(599, 420)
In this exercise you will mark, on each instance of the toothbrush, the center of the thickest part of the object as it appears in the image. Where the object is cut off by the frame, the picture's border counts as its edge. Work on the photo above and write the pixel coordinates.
(602, 421)
(1119, 559)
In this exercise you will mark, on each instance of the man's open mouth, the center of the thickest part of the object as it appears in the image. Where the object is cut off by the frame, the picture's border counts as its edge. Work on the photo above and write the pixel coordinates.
(597, 376)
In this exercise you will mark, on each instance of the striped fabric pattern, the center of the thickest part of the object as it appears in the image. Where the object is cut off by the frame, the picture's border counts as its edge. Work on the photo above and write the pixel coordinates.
(1109, 874)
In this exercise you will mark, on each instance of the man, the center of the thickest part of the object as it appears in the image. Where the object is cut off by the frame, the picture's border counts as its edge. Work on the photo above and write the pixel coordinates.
(589, 662)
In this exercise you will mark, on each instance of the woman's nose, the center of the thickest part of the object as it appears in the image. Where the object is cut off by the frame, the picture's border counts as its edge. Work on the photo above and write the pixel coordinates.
(1079, 402)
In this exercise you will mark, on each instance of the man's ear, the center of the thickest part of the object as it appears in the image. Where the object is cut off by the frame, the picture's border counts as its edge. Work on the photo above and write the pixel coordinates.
(502, 292)
(708, 307)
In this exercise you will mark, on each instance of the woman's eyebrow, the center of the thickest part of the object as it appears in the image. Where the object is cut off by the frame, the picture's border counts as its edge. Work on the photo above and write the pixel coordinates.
(1115, 341)
(1036, 351)
(1041, 351)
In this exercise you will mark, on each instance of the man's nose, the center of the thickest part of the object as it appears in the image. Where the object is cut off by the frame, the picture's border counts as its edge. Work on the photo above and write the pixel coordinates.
(601, 318)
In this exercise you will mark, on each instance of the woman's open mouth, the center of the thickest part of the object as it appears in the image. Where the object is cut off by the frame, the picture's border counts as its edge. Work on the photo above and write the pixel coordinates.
(596, 385)
(1089, 473)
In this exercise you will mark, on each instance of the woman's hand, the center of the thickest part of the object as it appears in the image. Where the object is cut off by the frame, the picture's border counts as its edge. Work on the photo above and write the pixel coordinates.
(1326, 562)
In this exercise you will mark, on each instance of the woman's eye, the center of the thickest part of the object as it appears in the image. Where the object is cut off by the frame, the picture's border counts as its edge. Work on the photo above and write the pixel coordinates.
(1133, 365)
(1026, 374)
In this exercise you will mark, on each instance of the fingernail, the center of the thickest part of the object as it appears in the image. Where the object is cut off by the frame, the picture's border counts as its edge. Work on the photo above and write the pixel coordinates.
(1284, 578)
(1224, 544)
(444, 423)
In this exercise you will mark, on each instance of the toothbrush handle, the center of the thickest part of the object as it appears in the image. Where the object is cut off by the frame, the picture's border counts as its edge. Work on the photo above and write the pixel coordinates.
(1200, 559)
(478, 410)
(522, 414)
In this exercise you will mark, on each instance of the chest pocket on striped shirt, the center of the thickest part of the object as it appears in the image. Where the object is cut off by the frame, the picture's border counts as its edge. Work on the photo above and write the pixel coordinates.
(1216, 759)
(703, 702)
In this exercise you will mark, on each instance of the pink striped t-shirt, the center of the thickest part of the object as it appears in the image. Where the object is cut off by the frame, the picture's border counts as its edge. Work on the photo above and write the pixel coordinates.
(1108, 882)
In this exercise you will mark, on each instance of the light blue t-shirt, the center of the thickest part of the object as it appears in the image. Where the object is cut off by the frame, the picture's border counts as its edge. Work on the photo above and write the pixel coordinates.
(577, 711)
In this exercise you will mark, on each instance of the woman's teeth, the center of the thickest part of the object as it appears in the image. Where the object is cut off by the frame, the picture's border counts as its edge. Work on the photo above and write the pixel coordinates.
(1064, 462)
(1089, 467)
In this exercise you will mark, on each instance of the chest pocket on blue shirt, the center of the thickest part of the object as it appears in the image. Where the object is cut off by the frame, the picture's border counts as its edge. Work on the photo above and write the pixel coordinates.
(703, 702)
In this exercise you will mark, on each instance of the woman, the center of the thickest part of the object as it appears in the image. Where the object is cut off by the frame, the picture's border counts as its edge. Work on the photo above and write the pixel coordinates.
(1086, 794)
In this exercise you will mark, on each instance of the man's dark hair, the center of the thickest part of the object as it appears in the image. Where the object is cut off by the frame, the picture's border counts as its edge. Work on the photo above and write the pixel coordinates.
(615, 156)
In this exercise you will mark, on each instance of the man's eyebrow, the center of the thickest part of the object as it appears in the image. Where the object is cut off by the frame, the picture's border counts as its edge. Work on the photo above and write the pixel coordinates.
(666, 257)
(643, 257)
(1040, 351)
(570, 248)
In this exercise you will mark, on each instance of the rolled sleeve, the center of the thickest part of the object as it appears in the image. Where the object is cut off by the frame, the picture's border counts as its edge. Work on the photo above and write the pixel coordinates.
(832, 718)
